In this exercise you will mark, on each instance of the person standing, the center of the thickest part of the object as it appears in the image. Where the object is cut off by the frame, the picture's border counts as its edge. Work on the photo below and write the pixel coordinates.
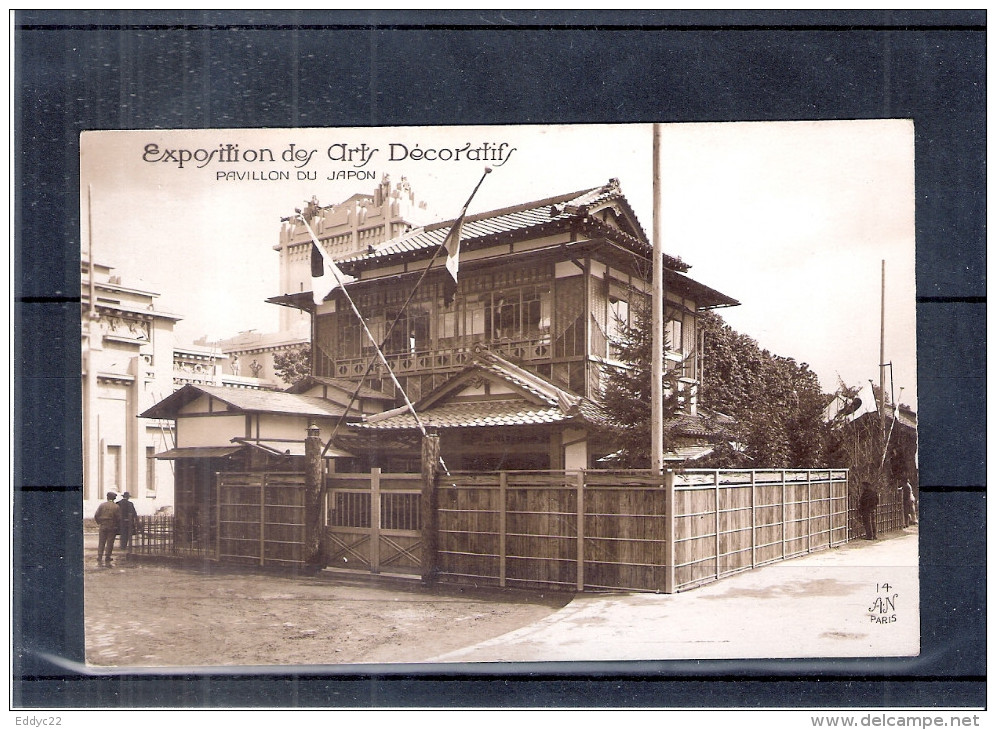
(909, 505)
(108, 518)
(129, 520)
(867, 507)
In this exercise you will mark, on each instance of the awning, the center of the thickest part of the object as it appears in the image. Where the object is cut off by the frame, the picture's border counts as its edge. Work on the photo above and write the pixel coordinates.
(290, 448)
(689, 453)
(199, 452)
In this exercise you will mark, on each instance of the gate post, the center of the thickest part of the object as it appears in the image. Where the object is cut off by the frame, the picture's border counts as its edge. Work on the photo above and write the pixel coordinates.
(313, 519)
(430, 470)
(375, 519)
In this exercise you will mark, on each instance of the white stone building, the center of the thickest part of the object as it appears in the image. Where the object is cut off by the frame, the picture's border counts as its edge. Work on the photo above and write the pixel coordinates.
(127, 365)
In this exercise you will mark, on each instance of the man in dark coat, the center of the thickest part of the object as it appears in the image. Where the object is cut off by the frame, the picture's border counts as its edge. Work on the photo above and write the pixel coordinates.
(108, 519)
(867, 506)
(909, 505)
(129, 520)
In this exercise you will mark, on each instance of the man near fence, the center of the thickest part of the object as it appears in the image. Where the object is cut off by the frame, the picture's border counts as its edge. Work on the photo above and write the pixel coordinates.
(108, 519)
(867, 507)
(909, 505)
(129, 520)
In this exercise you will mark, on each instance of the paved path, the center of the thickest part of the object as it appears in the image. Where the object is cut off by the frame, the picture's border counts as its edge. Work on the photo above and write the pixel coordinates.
(834, 603)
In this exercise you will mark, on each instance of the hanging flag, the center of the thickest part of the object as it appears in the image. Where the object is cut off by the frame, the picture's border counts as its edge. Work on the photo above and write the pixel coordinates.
(452, 247)
(325, 275)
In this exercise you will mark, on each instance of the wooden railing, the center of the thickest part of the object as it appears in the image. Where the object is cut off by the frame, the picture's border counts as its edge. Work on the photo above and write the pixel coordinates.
(440, 359)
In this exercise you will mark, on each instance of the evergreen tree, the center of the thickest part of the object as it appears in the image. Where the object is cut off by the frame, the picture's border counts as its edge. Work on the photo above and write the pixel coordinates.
(626, 394)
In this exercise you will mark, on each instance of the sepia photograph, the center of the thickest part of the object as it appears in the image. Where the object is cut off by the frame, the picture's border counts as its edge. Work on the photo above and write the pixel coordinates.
(466, 396)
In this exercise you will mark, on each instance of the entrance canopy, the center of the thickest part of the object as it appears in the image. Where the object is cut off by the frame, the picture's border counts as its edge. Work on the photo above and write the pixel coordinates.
(288, 448)
(199, 452)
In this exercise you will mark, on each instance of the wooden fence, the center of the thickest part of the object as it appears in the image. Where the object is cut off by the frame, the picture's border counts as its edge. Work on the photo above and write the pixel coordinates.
(261, 518)
(728, 521)
(591, 530)
(566, 530)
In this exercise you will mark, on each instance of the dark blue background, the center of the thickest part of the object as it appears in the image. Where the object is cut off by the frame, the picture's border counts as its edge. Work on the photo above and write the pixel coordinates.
(77, 70)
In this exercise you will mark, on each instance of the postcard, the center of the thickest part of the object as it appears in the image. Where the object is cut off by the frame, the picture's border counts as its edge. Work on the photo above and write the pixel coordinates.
(465, 396)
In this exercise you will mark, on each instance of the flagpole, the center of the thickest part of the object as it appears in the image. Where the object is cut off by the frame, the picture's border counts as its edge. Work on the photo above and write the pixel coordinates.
(366, 329)
(657, 336)
(397, 318)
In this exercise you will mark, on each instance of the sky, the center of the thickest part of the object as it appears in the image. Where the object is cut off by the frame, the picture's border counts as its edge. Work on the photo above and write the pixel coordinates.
(793, 219)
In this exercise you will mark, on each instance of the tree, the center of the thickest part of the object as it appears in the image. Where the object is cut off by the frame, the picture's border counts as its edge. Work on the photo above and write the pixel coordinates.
(776, 402)
(293, 365)
(626, 394)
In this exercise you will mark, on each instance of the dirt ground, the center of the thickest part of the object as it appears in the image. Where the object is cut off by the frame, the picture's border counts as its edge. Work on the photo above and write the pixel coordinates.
(145, 614)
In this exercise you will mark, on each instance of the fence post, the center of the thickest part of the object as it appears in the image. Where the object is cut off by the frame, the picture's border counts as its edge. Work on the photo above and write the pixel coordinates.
(830, 520)
(809, 510)
(580, 530)
(783, 514)
(715, 482)
(262, 519)
(313, 502)
(669, 535)
(753, 518)
(430, 516)
(217, 527)
(502, 524)
(375, 520)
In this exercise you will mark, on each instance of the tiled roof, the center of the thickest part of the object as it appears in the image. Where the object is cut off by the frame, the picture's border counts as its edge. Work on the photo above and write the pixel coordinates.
(704, 424)
(273, 401)
(483, 413)
(558, 211)
(244, 399)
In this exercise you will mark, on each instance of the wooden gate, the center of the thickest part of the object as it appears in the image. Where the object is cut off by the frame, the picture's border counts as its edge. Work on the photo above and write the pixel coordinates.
(375, 522)
(261, 518)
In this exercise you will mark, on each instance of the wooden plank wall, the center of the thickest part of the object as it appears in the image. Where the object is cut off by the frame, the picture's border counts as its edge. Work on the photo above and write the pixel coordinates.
(609, 530)
(624, 531)
(260, 518)
(728, 521)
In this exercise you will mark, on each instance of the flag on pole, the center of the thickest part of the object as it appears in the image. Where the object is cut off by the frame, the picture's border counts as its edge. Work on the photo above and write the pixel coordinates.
(452, 247)
(325, 275)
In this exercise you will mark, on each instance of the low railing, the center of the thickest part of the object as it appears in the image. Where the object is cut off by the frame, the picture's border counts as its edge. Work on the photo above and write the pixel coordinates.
(166, 535)
(440, 359)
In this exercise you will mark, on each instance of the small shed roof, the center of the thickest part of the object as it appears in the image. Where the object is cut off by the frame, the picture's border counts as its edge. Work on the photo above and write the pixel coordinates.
(245, 400)
(199, 452)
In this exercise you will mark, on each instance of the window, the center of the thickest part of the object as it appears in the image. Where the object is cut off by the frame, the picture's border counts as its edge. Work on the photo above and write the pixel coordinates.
(112, 469)
(150, 470)
(672, 332)
(618, 321)
(522, 313)
(411, 333)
